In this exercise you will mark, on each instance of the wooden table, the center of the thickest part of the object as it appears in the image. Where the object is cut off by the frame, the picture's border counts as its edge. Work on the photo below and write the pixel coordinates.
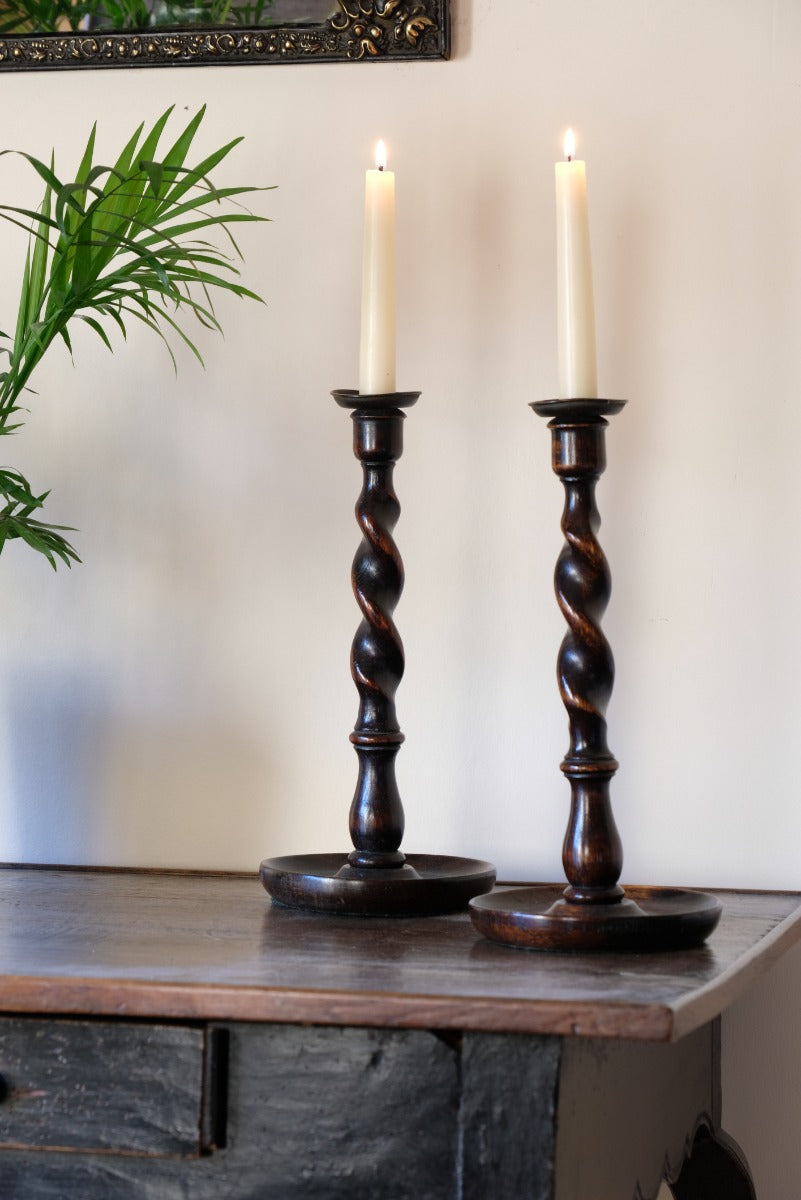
(175, 1036)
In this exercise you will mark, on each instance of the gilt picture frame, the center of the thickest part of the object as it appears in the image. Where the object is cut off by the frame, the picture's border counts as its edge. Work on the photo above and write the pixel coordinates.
(125, 33)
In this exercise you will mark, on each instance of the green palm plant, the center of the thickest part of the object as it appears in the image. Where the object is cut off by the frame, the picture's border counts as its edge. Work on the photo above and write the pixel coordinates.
(38, 16)
(113, 245)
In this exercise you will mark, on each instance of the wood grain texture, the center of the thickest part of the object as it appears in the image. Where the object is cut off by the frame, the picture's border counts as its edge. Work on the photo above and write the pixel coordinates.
(352, 1111)
(93, 1085)
(214, 948)
(314, 1114)
(423, 885)
(508, 1119)
(319, 1113)
(645, 919)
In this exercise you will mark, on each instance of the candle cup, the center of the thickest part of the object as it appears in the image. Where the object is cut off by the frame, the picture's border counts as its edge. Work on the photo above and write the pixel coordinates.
(593, 912)
(377, 878)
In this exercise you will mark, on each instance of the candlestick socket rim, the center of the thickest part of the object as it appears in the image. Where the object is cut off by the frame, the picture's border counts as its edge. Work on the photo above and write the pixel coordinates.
(582, 408)
(374, 402)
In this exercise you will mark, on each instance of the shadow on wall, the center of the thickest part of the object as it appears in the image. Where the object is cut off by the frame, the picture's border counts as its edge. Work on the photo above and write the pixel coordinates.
(93, 787)
(46, 800)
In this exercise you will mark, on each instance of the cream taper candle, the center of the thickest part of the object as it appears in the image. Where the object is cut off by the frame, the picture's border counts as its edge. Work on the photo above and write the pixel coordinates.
(576, 314)
(377, 350)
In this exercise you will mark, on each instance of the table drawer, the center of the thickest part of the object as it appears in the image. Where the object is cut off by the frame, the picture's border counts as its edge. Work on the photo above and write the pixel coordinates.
(136, 1088)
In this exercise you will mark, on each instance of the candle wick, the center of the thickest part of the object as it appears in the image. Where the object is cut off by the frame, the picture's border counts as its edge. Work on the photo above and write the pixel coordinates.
(381, 167)
(570, 158)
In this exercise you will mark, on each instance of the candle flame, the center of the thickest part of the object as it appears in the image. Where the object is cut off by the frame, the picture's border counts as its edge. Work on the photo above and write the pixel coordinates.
(570, 145)
(381, 156)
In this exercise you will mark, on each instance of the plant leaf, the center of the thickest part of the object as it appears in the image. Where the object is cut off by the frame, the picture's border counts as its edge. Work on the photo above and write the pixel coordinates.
(111, 244)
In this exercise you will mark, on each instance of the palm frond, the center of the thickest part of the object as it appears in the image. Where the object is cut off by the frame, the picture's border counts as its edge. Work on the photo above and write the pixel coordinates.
(112, 243)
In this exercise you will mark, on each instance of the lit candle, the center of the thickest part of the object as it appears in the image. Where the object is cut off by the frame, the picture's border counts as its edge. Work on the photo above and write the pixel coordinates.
(377, 352)
(576, 315)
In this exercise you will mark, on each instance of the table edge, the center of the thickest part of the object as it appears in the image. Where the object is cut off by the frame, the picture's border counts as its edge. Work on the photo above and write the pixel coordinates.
(170, 999)
(713, 998)
(37, 995)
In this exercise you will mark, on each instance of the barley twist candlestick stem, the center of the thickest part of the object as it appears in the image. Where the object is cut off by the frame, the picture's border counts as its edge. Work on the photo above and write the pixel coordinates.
(593, 912)
(377, 661)
(592, 854)
(377, 878)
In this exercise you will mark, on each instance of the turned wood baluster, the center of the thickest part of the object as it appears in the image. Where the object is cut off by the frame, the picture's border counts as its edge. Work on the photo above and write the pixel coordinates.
(592, 853)
(377, 659)
(592, 912)
(376, 879)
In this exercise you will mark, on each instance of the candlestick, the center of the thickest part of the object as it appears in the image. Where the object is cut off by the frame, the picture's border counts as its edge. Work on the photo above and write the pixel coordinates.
(593, 912)
(377, 878)
(575, 310)
(377, 348)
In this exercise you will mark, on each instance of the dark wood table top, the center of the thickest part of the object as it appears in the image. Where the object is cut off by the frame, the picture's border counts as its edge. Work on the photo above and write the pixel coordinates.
(194, 946)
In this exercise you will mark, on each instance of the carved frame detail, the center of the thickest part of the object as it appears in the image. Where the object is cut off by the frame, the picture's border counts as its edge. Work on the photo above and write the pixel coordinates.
(361, 31)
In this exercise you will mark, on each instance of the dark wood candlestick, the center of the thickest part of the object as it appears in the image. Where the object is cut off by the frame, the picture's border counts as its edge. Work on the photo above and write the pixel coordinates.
(377, 878)
(593, 912)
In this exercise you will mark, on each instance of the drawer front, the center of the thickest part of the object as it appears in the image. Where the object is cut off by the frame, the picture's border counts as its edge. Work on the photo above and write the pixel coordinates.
(318, 1113)
(94, 1085)
(313, 1114)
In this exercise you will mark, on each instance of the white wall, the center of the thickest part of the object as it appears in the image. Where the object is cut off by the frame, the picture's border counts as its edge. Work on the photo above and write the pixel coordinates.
(183, 698)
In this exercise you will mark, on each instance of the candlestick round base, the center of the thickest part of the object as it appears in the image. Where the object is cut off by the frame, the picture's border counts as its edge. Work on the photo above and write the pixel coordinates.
(425, 885)
(644, 919)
